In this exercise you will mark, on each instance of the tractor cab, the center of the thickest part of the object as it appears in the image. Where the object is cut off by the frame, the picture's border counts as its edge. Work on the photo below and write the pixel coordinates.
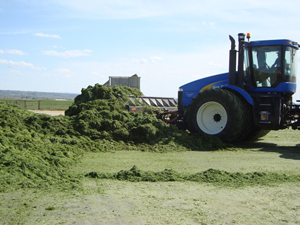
(271, 65)
(270, 79)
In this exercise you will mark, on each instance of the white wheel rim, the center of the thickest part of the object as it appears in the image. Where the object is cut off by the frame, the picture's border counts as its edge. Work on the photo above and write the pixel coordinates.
(212, 117)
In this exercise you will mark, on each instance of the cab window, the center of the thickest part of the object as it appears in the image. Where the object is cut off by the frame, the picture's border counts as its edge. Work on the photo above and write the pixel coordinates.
(267, 65)
(290, 64)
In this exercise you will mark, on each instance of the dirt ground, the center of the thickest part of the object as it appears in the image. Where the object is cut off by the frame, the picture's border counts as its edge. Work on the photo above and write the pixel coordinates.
(49, 112)
(123, 202)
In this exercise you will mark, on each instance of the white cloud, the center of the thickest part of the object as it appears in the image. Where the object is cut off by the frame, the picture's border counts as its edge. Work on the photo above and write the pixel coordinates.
(60, 70)
(97, 74)
(154, 59)
(204, 23)
(215, 64)
(16, 72)
(21, 64)
(170, 72)
(47, 35)
(69, 54)
(142, 60)
(129, 9)
(11, 51)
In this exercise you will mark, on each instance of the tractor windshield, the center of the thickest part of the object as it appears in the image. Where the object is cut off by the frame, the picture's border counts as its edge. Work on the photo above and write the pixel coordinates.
(290, 64)
(272, 65)
(267, 65)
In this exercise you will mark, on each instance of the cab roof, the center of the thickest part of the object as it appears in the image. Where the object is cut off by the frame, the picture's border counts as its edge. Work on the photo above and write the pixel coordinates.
(285, 42)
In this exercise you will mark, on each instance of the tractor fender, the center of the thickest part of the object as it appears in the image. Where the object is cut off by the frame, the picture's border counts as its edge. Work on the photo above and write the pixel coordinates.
(242, 92)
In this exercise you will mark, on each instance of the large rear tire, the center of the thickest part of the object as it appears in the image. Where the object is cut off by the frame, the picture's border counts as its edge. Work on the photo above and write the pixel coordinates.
(216, 112)
(248, 119)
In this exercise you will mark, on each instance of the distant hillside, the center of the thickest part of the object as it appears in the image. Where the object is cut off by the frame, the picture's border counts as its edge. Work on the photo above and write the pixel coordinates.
(35, 95)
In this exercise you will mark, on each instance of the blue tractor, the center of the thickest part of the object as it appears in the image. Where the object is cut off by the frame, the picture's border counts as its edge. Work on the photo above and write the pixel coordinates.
(253, 98)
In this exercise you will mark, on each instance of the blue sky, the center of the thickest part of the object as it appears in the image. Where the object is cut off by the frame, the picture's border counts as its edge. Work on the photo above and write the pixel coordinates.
(66, 45)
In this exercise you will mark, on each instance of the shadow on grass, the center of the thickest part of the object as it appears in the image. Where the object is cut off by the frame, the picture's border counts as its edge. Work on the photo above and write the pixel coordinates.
(287, 152)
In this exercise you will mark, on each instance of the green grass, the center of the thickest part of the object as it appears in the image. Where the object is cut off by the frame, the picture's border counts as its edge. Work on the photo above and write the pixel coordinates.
(229, 168)
(55, 104)
(191, 161)
(34, 104)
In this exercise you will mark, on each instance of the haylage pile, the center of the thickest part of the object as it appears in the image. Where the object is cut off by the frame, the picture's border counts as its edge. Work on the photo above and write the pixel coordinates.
(36, 149)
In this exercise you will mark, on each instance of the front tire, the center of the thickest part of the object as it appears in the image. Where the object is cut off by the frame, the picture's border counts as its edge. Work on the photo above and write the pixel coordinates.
(216, 112)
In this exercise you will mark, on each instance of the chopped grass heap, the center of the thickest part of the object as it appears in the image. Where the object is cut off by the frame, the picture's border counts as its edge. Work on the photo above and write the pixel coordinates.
(99, 113)
(36, 149)
(209, 176)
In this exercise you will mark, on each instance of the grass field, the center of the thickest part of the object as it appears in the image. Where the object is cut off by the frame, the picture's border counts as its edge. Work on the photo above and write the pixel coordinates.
(46, 104)
(113, 201)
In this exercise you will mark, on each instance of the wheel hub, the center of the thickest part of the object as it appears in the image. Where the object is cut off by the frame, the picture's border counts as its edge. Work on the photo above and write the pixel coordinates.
(217, 117)
(212, 117)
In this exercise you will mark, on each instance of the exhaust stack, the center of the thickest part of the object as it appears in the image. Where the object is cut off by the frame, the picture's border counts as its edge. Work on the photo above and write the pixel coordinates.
(232, 63)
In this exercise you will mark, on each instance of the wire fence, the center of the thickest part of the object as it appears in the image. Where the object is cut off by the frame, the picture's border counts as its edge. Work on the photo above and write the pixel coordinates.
(40, 104)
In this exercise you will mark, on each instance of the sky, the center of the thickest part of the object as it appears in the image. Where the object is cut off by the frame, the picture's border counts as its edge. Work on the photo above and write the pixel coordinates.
(67, 45)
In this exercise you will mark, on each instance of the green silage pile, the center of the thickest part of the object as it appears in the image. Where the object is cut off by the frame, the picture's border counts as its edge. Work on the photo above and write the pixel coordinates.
(36, 149)
(218, 177)
(99, 113)
(31, 154)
